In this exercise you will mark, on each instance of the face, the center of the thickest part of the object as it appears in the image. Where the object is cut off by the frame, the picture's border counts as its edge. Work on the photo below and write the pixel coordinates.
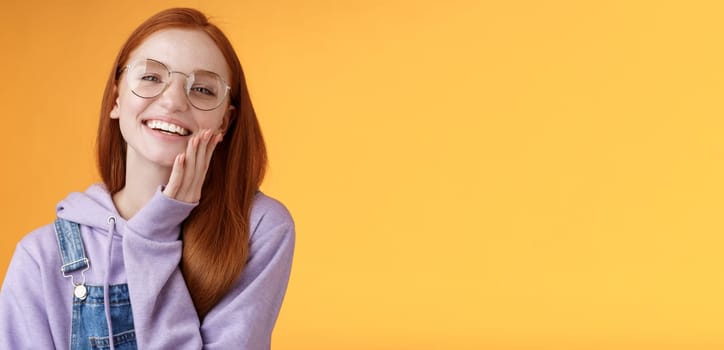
(157, 129)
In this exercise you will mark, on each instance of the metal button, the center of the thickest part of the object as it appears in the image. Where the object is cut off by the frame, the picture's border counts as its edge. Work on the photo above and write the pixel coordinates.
(80, 292)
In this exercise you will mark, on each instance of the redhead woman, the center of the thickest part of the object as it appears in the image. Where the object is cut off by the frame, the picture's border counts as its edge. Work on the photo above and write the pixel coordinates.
(177, 248)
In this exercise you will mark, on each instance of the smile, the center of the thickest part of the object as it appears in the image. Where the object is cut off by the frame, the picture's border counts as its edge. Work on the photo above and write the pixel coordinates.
(166, 127)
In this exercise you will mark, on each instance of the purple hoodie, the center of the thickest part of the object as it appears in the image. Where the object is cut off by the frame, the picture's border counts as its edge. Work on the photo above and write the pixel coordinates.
(145, 251)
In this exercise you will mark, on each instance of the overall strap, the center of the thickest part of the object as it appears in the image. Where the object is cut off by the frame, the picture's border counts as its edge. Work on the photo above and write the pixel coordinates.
(72, 253)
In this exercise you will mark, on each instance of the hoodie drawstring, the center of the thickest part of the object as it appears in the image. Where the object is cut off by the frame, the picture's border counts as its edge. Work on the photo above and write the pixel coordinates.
(106, 281)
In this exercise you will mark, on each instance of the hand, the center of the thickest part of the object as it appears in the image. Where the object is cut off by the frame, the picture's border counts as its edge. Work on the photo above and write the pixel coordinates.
(189, 168)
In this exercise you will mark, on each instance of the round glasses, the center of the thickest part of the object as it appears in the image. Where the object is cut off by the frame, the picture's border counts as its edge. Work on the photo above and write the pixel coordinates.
(148, 78)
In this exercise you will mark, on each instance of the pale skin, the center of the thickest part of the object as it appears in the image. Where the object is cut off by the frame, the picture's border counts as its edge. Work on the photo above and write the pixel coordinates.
(154, 158)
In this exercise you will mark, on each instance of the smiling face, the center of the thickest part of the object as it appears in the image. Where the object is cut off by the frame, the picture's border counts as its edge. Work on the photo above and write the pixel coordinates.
(157, 129)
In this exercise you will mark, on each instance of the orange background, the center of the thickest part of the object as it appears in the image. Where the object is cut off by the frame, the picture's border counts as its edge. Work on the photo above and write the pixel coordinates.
(463, 174)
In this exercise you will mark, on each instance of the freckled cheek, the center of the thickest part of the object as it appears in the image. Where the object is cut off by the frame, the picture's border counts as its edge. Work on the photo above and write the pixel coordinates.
(132, 106)
(212, 121)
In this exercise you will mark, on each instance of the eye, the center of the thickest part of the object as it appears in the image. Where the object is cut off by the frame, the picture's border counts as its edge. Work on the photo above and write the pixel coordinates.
(150, 77)
(202, 90)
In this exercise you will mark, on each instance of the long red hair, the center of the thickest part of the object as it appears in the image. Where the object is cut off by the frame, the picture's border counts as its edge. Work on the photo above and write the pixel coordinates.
(216, 233)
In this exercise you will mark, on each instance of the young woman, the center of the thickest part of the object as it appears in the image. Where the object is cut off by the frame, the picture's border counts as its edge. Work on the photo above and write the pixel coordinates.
(177, 249)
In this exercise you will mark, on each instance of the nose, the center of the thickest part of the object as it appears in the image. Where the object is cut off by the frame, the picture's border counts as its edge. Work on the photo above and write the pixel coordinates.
(173, 98)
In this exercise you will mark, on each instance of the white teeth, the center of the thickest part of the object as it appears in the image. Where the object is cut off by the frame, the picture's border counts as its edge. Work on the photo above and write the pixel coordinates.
(168, 127)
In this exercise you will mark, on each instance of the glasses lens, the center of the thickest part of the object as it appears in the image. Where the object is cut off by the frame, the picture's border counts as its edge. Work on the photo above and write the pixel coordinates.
(207, 90)
(147, 78)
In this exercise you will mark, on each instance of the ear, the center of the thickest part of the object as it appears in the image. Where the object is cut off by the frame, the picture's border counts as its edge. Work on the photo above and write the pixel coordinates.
(115, 112)
(227, 119)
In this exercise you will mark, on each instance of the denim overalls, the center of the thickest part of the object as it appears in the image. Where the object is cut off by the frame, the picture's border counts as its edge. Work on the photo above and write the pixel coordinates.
(89, 326)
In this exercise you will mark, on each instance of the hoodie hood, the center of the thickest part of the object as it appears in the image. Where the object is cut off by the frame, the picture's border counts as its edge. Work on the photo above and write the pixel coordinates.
(90, 208)
(160, 218)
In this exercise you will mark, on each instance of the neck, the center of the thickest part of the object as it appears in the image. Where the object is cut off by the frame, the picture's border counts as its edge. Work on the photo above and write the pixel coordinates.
(142, 180)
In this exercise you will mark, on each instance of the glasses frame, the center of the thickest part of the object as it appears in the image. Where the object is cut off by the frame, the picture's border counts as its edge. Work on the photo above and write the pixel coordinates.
(187, 86)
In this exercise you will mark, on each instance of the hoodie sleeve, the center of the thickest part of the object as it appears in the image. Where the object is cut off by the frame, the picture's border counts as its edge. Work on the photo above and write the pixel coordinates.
(245, 317)
(163, 311)
(24, 322)
(164, 316)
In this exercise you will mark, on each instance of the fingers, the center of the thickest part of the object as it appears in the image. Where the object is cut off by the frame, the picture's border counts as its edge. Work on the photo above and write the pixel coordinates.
(204, 152)
(190, 168)
(200, 164)
(177, 173)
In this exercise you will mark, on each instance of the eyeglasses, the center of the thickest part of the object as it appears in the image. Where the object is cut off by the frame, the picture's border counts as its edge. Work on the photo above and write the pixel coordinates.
(148, 78)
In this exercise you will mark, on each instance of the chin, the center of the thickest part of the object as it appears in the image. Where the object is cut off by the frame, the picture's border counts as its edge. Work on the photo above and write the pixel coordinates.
(159, 157)
(164, 159)
(166, 162)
